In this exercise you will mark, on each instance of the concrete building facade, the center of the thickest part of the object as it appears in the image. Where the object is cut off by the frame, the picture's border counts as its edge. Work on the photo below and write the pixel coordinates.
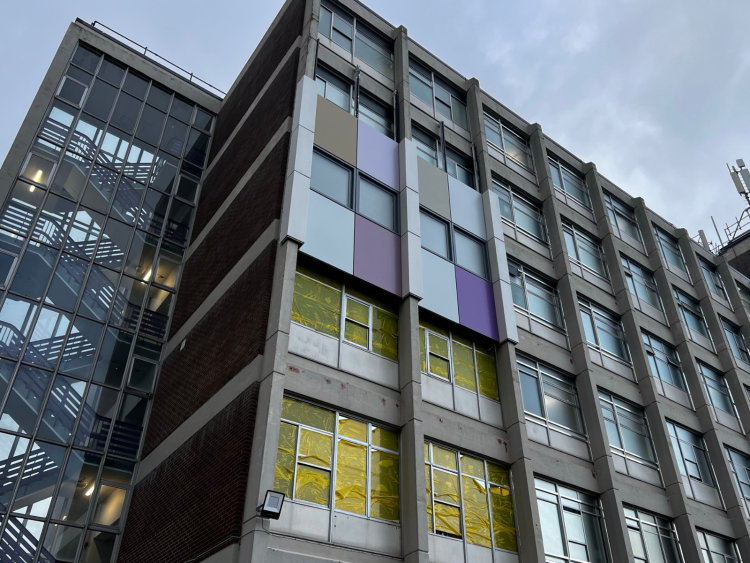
(360, 280)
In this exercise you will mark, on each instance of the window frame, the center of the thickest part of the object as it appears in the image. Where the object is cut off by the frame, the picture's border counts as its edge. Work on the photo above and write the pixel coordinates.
(434, 81)
(662, 529)
(498, 187)
(744, 293)
(615, 404)
(689, 306)
(424, 149)
(634, 273)
(707, 551)
(523, 275)
(616, 209)
(709, 382)
(713, 279)
(557, 163)
(664, 239)
(734, 334)
(596, 312)
(681, 456)
(667, 354)
(743, 487)
(579, 235)
(502, 129)
(449, 152)
(451, 230)
(365, 101)
(328, 83)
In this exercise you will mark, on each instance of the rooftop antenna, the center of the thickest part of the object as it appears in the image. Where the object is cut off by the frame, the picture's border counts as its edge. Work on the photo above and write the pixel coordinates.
(741, 179)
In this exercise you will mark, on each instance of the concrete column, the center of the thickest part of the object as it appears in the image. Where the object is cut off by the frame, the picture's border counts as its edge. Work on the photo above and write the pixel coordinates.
(401, 79)
(309, 43)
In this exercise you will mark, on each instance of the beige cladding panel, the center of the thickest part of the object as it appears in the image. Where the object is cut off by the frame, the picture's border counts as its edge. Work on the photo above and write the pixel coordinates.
(433, 188)
(336, 131)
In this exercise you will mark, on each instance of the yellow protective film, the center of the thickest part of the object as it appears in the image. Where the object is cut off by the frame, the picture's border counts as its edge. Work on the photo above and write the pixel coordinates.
(476, 514)
(444, 456)
(497, 474)
(463, 366)
(384, 438)
(355, 333)
(426, 451)
(472, 466)
(316, 305)
(351, 477)
(438, 365)
(434, 328)
(487, 376)
(307, 414)
(285, 459)
(353, 429)
(445, 486)
(313, 484)
(357, 312)
(384, 334)
(422, 354)
(371, 300)
(503, 523)
(448, 519)
(428, 480)
(384, 498)
(314, 448)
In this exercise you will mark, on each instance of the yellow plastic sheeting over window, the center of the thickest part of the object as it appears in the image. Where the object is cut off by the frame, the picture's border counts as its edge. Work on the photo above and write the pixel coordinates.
(487, 376)
(448, 519)
(422, 354)
(285, 459)
(371, 300)
(313, 485)
(353, 331)
(445, 487)
(385, 334)
(384, 491)
(472, 466)
(384, 438)
(316, 305)
(315, 448)
(307, 414)
(498, 474)
(476, 513)
(463, 366)
(426, 451)
(351, 477)
(434, 328)
(503, 523)
(353, 429)
(428, 480)
(444, 457)
(438, 365)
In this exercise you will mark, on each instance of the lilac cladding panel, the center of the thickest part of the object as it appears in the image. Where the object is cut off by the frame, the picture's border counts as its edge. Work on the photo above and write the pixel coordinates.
(377, 255)
(377, 155)
(476, 304)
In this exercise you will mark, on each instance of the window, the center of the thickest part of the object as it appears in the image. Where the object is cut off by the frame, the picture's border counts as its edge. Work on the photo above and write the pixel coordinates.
(740, 466)
(369, 46)
(627, 429)
(603, 330)
(333, 88)
(520, 212)
(550, 395)
(438, 94)
(664, 362)
(535, 296)
(736, 341)
(716, 549)
(713, 280)
(691, 454)
(453, 358)
(334, 180)
(572, 527)
(653, 539)
(469, 498)
(510, 143)
(641, 283)
(585, 250)
(376, 115)
(369, 324)
(364, 474)
(459, 167)
(717, 390)
(466, 251)
(622, 217)
(690, 311)
(569, 182)
(427, 146)
(669, 248)
(744, 294)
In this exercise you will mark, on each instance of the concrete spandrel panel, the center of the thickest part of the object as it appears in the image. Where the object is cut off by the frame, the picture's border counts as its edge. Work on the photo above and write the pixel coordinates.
(439, 286)
(369, 366)
(377, 255)
(467, 210)
(437, 391)
(377, 155)
(314, 345)
(444, 549)
(330, 233)
(356, 531)
(336, 131)
(433, 188)
(303, 520)
(476, 303)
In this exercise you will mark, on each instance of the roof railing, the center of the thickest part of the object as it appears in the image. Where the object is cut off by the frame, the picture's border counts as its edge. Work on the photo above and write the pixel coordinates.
(151, 54)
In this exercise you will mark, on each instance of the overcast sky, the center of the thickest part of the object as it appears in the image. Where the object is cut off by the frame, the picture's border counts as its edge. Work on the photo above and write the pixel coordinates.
(654, 92)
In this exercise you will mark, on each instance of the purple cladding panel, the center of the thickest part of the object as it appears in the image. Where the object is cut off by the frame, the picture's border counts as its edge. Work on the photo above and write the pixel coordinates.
(476, 304)
(377, 155)
(377, 255)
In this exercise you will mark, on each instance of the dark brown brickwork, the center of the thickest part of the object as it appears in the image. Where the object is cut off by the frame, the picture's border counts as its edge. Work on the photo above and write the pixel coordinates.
(272, 109)
(224, 341)
(266, 60)
(256, 206)
(194, 501)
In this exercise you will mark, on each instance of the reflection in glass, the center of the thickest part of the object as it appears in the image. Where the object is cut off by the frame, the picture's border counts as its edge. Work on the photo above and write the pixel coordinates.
(62, 408)
(20, 209)
(12, 450)
(25, 400)
(54, 220)
(80, 348)
(15, 322)
(46, 340)
(38, 480)
(67, 281)
(97, 297)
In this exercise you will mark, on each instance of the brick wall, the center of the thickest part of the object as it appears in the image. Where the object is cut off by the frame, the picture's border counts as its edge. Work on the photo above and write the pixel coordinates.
(195, 499)
(254, 209)
(273, 108)
(224, 341)
(257, 74)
